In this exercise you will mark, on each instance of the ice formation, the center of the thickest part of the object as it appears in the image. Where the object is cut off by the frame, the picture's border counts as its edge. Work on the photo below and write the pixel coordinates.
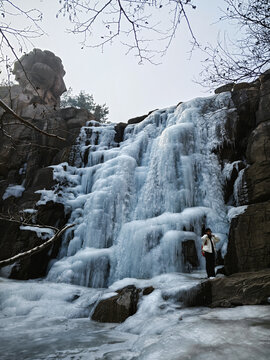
(134, 203)
(51, 321)
(13, 190)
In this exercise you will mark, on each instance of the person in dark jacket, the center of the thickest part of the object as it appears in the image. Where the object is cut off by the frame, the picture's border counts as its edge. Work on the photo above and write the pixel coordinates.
(209, 248)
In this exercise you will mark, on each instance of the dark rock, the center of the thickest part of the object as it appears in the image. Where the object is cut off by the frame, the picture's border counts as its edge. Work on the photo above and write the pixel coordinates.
(249, 246)
(246, 85)
(258, 148)
(190, 253)
(230, 181)
(139, 119)
(219, 259)
(249, 288)
(199, 295)
(119, 132)
(148, 290)
(246, 102)
(241, 289)
(257, 178)
(43, 178)
(51, 214)
(258, 174)
(32, 267)
(119, 307)
(224, 88)
(263, 113)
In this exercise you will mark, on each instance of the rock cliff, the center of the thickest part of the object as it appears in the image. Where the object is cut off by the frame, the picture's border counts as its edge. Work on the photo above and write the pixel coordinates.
(249, 245)
(25, 155)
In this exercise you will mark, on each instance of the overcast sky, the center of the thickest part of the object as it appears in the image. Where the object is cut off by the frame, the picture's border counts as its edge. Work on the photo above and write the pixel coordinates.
(114, 78)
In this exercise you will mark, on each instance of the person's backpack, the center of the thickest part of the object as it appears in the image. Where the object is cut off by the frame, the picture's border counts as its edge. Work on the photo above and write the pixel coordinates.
(203, 253)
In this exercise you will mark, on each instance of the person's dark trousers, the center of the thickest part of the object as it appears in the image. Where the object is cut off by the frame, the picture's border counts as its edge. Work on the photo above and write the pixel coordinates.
(210, 264)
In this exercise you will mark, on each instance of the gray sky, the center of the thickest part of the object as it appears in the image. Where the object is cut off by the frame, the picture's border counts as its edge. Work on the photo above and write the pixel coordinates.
(114, 78)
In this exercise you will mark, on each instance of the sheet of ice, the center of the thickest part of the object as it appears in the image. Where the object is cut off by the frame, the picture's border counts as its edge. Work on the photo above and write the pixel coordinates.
(51, 321)
(143, 197)
(13, 190)
(43, 233)
(235, 211)
(240, 189)
(30, 211)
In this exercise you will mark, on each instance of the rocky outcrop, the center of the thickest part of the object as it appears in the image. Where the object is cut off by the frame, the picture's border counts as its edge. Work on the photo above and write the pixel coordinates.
(251, 288)
(40, 76)
(25, 157)
(249, 181)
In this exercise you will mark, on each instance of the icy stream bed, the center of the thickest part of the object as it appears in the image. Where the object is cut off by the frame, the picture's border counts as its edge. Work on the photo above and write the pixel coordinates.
(42, 320)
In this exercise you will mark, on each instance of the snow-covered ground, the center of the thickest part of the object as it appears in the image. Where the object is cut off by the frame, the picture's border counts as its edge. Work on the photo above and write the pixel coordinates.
(42, 320)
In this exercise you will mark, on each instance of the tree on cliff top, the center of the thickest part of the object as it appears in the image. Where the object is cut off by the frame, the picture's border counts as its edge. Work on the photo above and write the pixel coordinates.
(84, 101)
(248, 55)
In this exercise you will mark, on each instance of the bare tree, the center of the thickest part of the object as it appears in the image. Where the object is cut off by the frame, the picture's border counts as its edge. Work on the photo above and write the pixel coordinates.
(249, 55)
(13, 36)
(146, 27)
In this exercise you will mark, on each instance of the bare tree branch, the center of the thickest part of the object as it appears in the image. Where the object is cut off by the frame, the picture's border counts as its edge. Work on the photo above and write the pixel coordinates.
(145, 27)
(246, 57)
(36, 249)
(27, 123)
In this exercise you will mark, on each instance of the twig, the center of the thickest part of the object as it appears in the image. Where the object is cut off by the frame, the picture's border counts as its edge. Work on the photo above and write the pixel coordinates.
(36, 249)
(27, 123)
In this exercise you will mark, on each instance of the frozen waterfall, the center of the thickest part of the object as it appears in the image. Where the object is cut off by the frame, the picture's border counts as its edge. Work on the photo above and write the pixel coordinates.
(134, 203)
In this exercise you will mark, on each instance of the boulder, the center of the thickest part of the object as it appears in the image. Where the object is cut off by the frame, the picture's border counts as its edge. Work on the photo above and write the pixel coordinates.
(45, 72)
(118, 308)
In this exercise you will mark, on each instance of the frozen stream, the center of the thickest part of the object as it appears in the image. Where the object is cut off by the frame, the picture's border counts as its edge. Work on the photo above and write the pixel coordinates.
(41, 320)
(133, 205)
